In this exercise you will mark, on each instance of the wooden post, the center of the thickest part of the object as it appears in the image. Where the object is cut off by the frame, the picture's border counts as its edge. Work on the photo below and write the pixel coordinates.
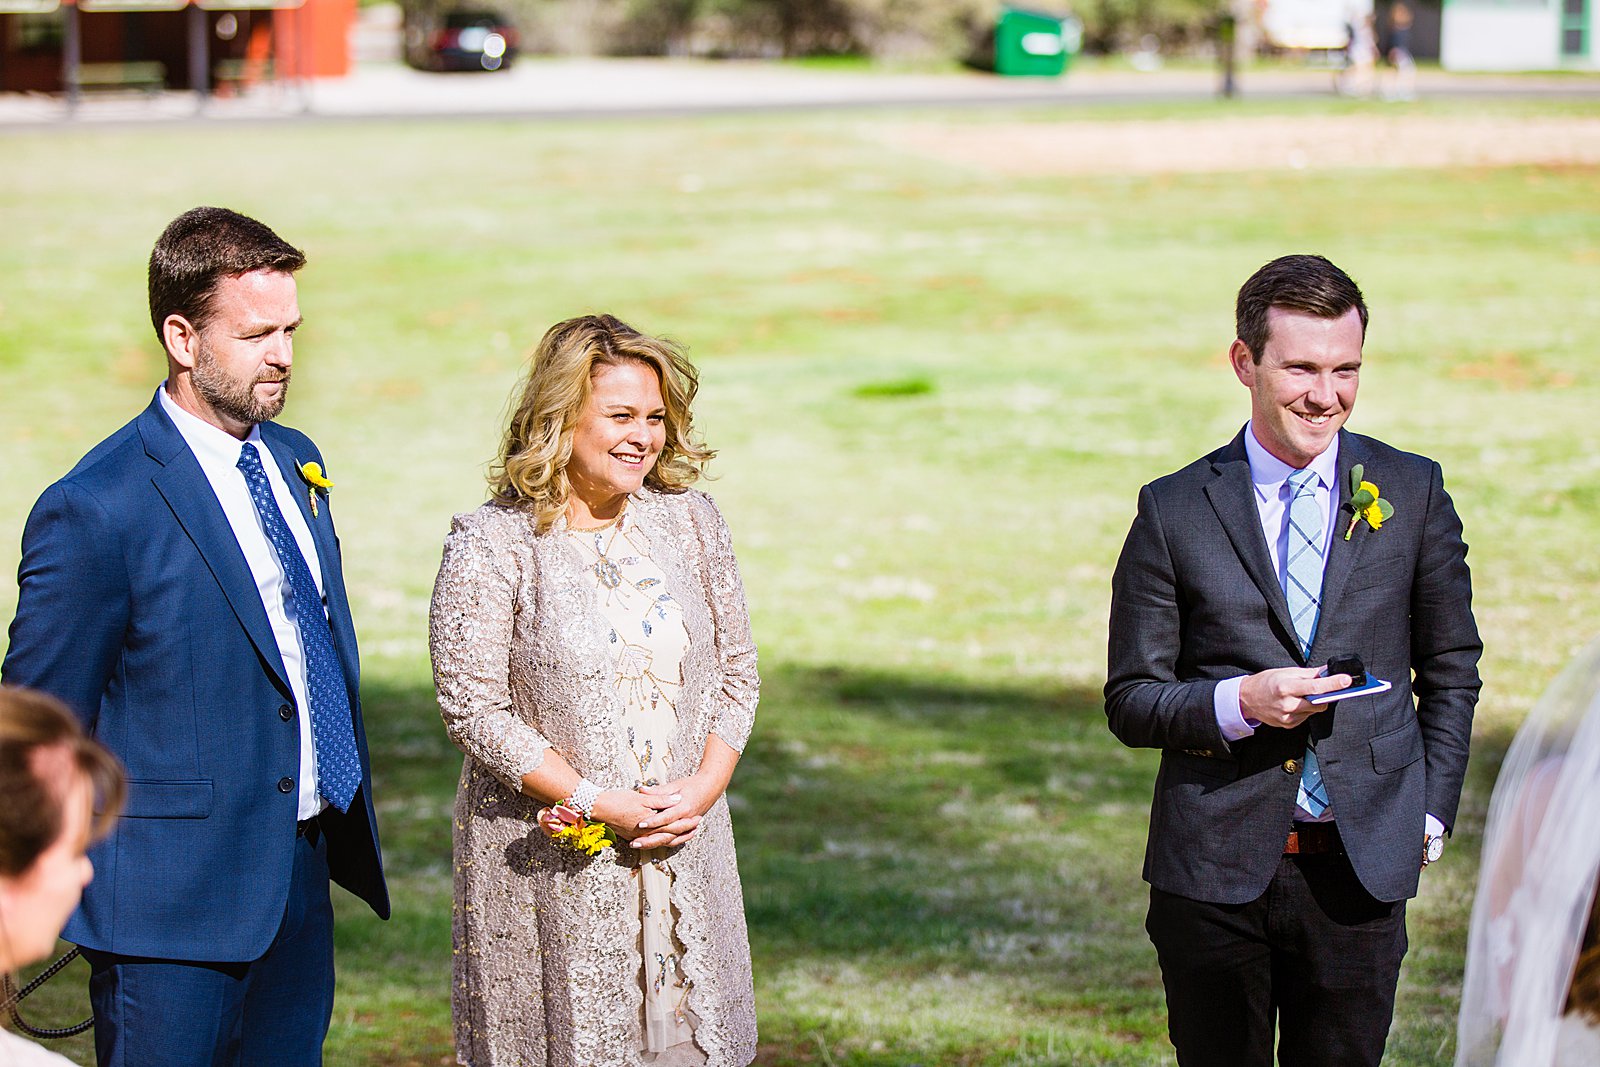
(1227, 47)
(199, 53)
(302, 24)
(71, 55)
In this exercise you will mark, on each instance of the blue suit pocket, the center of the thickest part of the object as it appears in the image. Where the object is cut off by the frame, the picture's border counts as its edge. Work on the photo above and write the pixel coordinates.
(1396, 749)
(181, 799)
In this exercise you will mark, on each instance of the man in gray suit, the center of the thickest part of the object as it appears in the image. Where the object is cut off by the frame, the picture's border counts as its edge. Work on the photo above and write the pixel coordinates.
(1286, 836)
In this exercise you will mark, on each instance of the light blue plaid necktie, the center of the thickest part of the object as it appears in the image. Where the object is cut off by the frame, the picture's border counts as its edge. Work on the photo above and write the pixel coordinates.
(338, 765)
(1302, 587)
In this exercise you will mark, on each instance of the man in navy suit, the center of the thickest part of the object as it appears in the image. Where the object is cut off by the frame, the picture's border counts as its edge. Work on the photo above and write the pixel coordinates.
(1286, 836)
(181, 590)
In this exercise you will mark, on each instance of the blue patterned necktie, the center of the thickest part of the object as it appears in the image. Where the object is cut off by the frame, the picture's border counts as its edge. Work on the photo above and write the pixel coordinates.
(1302, 587)
(338, 766)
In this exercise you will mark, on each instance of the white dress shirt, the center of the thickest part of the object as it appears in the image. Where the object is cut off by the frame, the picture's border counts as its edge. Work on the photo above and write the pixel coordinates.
(218, 453)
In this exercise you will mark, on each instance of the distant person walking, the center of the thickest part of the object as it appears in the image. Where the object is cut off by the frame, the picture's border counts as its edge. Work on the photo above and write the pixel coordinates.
(1403, 83)
(1359, 77)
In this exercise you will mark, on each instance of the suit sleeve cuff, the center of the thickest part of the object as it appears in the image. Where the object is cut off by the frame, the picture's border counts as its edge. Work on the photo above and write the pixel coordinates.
(1225, 705)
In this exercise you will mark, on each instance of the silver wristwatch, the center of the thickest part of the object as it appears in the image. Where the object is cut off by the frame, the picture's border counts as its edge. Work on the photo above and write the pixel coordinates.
(1432, 848)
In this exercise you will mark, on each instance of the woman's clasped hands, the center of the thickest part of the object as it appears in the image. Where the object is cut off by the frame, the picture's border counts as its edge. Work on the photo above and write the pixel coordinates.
(657, 816)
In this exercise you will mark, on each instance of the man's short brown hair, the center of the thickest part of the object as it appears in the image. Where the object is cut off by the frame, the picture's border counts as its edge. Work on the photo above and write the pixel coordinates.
(200, 248)
(1308, 284)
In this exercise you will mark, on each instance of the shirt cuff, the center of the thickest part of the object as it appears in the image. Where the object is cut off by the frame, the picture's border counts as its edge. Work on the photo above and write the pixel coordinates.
(1433, 826)
(1225, 705)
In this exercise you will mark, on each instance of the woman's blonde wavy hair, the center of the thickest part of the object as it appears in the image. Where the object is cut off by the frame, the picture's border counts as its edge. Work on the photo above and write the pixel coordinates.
(530, 472)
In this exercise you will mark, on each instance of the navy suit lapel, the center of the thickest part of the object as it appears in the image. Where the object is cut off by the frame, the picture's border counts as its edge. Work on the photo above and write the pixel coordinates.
(183, 485)
(321, 525)
(1233, 498)
(1343, 555)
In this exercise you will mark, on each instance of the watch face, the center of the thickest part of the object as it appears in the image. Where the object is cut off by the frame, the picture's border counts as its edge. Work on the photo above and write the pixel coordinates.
(1433, 849)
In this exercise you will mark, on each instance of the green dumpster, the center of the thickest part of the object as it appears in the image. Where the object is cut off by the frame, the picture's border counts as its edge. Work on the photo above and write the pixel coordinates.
(1034, 43)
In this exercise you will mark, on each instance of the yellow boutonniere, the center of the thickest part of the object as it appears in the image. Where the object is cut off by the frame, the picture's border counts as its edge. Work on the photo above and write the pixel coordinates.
(1365, 503)
(316, 482)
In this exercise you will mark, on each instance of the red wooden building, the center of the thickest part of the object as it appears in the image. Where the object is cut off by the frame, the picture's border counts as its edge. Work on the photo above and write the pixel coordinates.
(72, 46)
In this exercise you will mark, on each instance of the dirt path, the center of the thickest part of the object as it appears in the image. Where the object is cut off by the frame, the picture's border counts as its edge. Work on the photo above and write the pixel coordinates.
(1253, 143)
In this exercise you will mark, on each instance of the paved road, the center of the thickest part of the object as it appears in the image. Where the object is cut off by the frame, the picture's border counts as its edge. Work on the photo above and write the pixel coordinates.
(567, 89)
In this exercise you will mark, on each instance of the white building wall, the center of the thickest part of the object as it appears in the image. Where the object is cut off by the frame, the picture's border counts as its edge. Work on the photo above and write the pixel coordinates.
(1311, 23)
(1509, 35)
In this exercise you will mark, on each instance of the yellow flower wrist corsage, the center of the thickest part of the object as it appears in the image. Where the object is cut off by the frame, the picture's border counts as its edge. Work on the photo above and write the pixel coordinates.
(568, 829)
(1365, 503)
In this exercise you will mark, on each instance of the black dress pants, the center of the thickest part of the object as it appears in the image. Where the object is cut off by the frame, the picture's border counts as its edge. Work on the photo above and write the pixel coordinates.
(1315, 954)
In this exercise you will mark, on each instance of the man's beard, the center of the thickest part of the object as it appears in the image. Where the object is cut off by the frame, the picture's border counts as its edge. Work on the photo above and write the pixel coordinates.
(231, 397)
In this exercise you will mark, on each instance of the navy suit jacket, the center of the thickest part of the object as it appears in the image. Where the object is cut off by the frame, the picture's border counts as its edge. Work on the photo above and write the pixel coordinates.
(137, 609)
(1195, 600)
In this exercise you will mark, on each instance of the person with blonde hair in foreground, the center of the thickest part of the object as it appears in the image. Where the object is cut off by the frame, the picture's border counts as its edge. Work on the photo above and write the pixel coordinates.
(593, 659)
(53, 779)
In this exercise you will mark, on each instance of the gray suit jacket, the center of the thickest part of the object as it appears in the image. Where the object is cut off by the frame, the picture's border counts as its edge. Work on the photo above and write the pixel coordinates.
(1195, 600)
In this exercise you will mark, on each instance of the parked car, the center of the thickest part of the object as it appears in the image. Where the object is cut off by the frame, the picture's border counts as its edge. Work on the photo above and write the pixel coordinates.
(470, 40)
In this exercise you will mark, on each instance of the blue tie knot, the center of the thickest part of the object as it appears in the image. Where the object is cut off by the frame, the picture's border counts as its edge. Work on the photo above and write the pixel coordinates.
(1303, 482)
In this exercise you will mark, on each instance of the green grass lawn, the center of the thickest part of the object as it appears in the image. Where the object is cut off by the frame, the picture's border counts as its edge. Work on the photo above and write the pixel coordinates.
(936, 392)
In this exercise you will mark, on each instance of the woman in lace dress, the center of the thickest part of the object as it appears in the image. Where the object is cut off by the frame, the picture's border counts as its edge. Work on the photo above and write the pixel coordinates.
(592, 650)
(1531, 994)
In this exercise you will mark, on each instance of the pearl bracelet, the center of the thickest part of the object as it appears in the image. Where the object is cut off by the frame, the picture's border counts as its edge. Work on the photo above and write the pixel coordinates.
(583, 797)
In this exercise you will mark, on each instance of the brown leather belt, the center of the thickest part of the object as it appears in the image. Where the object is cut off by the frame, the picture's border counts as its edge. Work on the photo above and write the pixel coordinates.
(1313, 838)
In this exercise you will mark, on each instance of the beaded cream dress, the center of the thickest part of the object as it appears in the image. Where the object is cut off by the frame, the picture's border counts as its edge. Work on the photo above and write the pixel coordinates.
(647, 641)
(539, 641)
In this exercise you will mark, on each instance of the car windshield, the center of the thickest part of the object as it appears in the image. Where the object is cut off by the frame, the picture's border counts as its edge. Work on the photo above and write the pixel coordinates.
(461, 20)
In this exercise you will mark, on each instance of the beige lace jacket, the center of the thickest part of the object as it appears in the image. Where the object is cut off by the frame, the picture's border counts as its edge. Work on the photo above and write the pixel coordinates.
(546, 950)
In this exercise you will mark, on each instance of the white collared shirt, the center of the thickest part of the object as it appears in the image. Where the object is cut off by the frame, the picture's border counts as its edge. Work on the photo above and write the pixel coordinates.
(1270, 476)
(218, 453)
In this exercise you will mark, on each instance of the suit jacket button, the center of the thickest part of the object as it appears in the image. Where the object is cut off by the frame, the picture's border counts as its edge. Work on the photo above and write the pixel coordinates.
(285, 712)
(1291, 766)
(286, 785)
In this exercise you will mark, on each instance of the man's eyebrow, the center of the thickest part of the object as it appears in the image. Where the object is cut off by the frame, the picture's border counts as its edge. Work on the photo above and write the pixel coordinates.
(256, 326)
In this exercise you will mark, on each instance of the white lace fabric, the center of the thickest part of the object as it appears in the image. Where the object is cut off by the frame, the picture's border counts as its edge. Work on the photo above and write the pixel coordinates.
(548, 944)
